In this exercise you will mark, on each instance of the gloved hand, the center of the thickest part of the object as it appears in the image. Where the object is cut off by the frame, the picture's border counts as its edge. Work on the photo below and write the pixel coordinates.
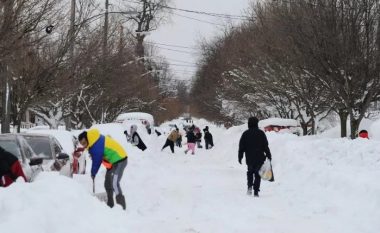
(93, 177)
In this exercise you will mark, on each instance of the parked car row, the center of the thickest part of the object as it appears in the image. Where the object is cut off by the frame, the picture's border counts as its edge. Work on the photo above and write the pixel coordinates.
(42, 151)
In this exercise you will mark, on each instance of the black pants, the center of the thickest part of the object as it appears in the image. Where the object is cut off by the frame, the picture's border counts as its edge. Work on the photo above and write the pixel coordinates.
(179, 143)
(209, 144)
(253, 170)
(169, 143)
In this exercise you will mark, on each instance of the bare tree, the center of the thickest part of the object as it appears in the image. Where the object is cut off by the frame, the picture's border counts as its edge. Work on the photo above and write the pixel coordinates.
(150, 14)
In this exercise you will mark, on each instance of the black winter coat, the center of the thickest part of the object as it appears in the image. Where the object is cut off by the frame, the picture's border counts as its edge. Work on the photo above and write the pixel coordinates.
(208, 138)
(191, 137)
(141, 145)
(254, 144)
(136, 140)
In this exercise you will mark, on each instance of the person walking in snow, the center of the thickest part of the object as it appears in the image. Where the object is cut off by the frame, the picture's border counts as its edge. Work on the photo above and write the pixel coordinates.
(10, 168)
(172, 138)
(179, 140)
(105, 150)
(148, 128)
(191, 139)
(254, 144)
(157, 132)
(198, 136)
(209, 143)
(134, 138)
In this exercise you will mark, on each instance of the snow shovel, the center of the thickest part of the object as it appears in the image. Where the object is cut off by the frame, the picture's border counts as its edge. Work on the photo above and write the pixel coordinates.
(101, 196)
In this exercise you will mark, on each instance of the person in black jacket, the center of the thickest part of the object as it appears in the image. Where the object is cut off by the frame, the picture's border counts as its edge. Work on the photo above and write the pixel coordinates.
(10, 168)
(209, 143)
(254, 144)
(134, 138)
(191, 139)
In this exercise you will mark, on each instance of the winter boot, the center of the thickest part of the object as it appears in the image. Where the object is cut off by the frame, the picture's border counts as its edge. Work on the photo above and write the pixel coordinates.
(256, 194)
(249, 191)
(120, 199)
(110, 202)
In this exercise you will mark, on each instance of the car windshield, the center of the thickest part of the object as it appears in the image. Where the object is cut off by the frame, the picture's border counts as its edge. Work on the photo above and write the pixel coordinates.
(11, 146)
(40, 145)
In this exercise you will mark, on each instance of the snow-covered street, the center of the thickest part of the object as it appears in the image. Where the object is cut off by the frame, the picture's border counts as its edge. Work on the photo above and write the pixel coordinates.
(322, 185)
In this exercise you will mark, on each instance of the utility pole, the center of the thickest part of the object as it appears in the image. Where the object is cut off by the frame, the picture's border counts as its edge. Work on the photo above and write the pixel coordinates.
(105, 35)
(8, 24)
(72, 42)
(5, 119)
(105, 49)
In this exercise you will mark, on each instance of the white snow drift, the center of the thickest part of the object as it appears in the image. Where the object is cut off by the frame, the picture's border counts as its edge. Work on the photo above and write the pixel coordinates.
(322, 185)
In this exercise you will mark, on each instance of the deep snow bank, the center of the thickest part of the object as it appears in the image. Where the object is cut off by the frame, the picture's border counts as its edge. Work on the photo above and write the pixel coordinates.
(55, 203)
(322, 185)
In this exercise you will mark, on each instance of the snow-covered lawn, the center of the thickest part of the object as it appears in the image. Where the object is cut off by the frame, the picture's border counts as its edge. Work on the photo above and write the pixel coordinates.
(322, 185)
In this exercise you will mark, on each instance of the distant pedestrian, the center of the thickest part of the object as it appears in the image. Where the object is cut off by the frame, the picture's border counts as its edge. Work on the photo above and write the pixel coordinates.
(254, 144)
(198, 136)
(135, 139)
(148, 128)
(172, 138)
(191, 139)
(157, 132)
(179, 140)
(209, 143)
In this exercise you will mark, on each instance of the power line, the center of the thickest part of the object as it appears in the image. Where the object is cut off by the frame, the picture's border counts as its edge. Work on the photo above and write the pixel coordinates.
(171, 59)
(176, 50)
(212, 14)
(199, 20)
(171, 45)
(227, 16)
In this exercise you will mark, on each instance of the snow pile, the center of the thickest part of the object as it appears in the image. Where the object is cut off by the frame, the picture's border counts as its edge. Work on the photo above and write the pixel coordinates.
(55, 203)
(322, 185)
(373, 128)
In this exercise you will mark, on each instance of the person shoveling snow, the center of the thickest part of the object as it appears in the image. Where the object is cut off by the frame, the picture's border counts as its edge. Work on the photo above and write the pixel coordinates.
(104, 150)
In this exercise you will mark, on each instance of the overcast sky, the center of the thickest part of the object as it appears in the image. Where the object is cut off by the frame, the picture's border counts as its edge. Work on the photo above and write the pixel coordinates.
(186, 32)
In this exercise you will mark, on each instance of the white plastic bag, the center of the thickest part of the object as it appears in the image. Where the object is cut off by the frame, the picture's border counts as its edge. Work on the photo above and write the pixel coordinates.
(266, 172)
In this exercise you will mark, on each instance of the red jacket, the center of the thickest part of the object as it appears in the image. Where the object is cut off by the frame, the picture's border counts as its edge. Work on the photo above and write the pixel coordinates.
(10, 168)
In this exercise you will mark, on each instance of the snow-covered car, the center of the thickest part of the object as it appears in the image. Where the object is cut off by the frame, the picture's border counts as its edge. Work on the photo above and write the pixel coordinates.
(280, 125)
(129, 118)
(47, 147)
(18, 146)
(69, 144)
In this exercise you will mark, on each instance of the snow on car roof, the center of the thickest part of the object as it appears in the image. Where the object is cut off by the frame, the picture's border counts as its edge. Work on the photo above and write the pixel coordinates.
(278, 122)
(135, 114)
